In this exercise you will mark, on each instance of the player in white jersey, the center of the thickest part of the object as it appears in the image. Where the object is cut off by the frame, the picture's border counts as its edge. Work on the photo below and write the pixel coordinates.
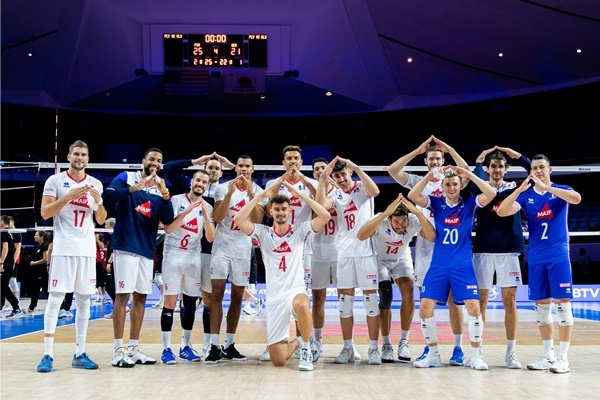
(283, 247)
(73, 198)
(433, 158)
(231, 256)
(181, 264)
(391, 232)
(357, 263)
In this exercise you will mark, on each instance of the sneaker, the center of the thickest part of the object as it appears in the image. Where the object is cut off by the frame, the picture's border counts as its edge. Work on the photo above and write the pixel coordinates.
(7, 307)
(29, 312)
(387, 353)
(306, 360)
(404, 351)
(429, 361)
(265, 356)
(214, 355)
(167, 357)
(542, 363)
(422, 356)
(189, 354)
(83, 362)
(476, 362)
(121, 359)
(560, 366)
(205, 349)
(138, 357)
(356, 353)
(512, 362)
(46, 364)
(106, 300)
(296, 353)
(68, 314)
(108, 316)
(16, 313)
(258, 303)
(346, 356)
(458, 357)
(232, 354)
(315, 350)
(248, 310)
(157, 305)
(374, 357)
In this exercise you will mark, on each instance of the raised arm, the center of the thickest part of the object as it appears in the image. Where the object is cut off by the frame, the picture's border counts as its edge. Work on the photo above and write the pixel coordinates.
(370, 185)
(241, 218)
(487, 191)
(321, 215)
(396, 169)
(416, 193)
(169, 228)
(427, 229)
(369, 229)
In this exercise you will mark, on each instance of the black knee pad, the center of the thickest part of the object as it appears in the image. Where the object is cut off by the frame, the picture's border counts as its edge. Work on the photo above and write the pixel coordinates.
(385, 295)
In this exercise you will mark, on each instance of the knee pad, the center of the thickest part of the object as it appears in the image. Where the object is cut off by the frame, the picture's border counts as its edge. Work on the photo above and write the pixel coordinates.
(158, 281)
(429, 329)
(543, 314)
(188, 314)
(346, 306)
(166, 319)
(385, 295)
(13, 285)
(83, 306)
(475, 329)
(564, 314)
(371, 305)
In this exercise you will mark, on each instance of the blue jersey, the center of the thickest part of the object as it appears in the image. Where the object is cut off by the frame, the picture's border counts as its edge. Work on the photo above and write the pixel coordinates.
(453, 225)
(137, 214)
(547, 220)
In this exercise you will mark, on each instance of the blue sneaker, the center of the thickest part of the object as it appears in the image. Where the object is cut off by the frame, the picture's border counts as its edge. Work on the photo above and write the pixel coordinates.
(189, 354)
(83, 362)
(168, 357)
(46, 364)
(425, 352)
(458, 357)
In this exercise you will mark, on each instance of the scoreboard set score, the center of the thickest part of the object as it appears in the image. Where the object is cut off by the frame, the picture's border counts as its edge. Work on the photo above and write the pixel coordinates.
(212, 50)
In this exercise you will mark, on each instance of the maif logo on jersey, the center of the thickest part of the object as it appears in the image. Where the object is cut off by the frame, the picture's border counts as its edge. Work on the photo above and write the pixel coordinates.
(295, 202)
(144, 209)
(437, 193)
(238, 206)
(545, 212)
(191, 226)
(495, 207)
(452, 220)
(398, 243)
(82, 202)
(283, 248)
(351, 207)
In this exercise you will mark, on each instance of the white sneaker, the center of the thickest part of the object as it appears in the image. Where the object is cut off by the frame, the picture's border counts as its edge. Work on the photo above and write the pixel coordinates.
(108, 316)
(136, 355)
(374, 357)
(542, 363)
(476, 362)
(121, 359)
(430, 360)
(404, 351)
(248, 310)
(157, 305)
(68, 314)
(346, 356)
(560, 366)
(356, 353)
(306, 361)
(265, 356)
(62, 314)
(205, 349)
(512, 362)
(315, 349)
(258, 303)
(387, 353)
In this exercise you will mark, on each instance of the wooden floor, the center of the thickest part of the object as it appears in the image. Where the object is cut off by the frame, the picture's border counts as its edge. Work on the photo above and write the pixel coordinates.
(255, 379)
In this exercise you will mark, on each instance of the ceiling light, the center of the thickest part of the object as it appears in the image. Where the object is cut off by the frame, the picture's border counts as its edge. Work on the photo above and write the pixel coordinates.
(500, 54)
(29, 54)
(409, 59)
(578, 50)
(328, 94)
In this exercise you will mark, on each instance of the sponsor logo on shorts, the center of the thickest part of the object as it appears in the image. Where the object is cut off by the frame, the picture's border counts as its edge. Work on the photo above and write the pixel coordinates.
(565, 284)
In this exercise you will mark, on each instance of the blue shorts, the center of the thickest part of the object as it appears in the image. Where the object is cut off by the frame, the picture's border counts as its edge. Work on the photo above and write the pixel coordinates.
(550, 280)
(440, 280)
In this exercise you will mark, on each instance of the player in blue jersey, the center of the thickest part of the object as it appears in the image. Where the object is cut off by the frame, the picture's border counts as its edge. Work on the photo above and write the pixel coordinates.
(498, 242)
(451, 267)
(546, 206)
(141, 200)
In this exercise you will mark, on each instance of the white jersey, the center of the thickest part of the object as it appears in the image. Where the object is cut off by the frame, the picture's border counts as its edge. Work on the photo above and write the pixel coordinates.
(186, 237)
(300, 211)
(424, 247)
(354, 209)
(324, 242)
(283, 257)
(390, 245)
(230, 240)
(74, 223)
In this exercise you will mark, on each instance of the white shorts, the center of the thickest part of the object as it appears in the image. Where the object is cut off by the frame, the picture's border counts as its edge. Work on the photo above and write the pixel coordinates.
(181, 274)
(422, 264)
(506, 266)
(399, 268)
(205, 261)
(356, 272)
(132, 272)
(323, 274)
(278, 318)
(72, 274)
(237, 269)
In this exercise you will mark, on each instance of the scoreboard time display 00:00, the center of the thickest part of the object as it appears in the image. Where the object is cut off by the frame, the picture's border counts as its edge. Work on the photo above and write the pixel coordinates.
(212, 50)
